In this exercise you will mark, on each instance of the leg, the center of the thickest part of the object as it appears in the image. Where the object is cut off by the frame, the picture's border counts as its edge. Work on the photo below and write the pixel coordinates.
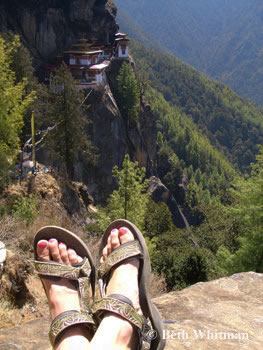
(114, 332)
(61, 294)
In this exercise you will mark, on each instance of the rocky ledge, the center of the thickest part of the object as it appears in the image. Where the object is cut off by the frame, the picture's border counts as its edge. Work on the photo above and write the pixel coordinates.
(222, 314)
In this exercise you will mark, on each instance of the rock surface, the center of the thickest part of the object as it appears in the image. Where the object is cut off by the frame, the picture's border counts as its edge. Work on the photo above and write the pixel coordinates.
(222, 314)
(48, 27)
(32, 335)
(160, 193)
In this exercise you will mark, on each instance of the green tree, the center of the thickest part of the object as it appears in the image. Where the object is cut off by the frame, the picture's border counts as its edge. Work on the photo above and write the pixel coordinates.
(180, 262)
(13, 105)
(158, 219)
(21, 64)
(129, 96)
(67, 112)
(248, 211)
(131, 199)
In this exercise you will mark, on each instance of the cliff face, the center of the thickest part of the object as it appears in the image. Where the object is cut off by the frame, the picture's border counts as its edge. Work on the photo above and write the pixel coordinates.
(48, 27)
(113, 140)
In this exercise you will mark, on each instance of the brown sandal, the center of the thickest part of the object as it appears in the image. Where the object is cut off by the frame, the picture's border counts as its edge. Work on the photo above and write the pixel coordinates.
(149, 326)
(82, 276)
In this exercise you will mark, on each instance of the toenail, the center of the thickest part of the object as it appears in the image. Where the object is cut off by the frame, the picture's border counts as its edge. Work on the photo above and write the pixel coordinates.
(114, 230)
(61, 243)
(42, 245)
(123, 231)
(52, 240)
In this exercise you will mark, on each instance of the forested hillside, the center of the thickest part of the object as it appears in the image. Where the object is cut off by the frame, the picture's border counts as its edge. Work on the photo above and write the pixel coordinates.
(221, 38)
(234, 126)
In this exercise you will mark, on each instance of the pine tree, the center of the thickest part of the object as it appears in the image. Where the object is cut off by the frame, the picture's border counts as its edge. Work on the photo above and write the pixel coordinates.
(129, 96)
(131, 199)
(13, 105)
(66, 111)
(22, 65)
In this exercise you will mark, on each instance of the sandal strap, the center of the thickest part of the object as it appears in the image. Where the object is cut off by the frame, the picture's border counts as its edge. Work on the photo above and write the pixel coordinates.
(80, 273)
(118, 307)
(123, 307)
(68, 319)
(52, 268)
(123, 252)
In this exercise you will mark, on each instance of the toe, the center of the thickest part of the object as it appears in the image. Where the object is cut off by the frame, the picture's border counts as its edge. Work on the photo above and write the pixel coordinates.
(73, 257)
(104, 254)
(115, 242)
(54, 250)
(109, 245)
(125, 235)
(43, 250)
(63, 251)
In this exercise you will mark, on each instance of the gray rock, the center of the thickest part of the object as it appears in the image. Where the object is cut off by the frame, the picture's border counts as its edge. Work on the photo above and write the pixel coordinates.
(222, 314)
(160, 193)
(48, 27)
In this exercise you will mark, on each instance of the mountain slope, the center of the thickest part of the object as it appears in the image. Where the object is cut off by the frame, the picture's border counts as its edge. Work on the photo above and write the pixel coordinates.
(136, 32)
(220, 38)
(232, 125)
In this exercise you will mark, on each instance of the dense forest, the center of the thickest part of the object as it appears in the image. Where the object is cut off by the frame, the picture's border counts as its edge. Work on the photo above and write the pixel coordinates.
(210, 135)
(220, 38)
(233, 125)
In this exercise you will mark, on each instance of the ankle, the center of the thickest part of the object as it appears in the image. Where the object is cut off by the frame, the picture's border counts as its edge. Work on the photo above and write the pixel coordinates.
(72, 337)
(122, 331)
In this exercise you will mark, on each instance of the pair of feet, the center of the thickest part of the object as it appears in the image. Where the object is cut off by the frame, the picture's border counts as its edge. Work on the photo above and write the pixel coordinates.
(62, 296)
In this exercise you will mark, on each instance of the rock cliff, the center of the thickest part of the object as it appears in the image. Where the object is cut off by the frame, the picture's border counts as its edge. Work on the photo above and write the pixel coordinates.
(48, 27)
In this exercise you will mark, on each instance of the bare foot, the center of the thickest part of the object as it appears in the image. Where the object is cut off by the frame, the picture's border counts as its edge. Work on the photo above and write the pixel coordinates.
(124, 278)
(114, 331)
(61, 294)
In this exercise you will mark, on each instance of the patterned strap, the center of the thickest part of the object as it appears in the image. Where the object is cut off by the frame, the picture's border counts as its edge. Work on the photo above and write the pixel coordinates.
(123, 252)
(75, 273)
(126, 311)
(118, 307)
(66, 320)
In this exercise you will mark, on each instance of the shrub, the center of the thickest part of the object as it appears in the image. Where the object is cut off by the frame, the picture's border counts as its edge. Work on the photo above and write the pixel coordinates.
(25, 208)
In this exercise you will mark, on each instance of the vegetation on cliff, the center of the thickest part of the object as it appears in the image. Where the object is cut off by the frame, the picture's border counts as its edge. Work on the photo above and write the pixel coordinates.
(232, 125)
(128, 94)
(66, 110)
(14, 102)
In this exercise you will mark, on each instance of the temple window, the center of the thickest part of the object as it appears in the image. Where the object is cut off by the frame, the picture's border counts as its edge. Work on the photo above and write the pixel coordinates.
(123, 49)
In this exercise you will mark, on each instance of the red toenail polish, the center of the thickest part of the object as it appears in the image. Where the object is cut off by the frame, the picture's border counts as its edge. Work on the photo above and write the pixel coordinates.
(42, 245)
(52, 240)
(114, 230)
(123, 231)
(60, 243)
